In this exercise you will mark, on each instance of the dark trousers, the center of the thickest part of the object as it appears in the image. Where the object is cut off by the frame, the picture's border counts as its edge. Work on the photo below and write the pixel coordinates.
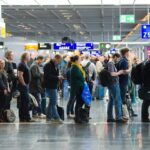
(123, 90)
(24, 104)
(71, 102)
(43, 102)
(145, 107)
(79, 103)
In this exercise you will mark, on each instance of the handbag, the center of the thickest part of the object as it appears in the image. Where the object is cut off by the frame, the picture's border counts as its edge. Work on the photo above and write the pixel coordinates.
(144, 93)
(86, 95)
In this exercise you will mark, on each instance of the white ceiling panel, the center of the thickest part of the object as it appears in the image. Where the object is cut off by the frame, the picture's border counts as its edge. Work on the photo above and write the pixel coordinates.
(140, 2)
(20, 2)
(53, 2)
(85, 2)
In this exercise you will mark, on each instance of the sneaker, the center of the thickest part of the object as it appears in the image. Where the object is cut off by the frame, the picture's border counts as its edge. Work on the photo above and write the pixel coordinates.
(125, 118)
(35, 116)
(121, 121)
(71, 116)
(42, 116)
(57, 121)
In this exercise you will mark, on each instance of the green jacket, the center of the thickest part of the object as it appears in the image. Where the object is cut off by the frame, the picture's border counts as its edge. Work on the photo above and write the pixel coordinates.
(77, 79)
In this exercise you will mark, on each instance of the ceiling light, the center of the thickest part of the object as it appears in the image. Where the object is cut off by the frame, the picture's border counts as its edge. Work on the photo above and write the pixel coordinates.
(76, 26)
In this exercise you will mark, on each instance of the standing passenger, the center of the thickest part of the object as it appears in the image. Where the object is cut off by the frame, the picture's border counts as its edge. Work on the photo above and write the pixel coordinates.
(51, 80)
(24, 79)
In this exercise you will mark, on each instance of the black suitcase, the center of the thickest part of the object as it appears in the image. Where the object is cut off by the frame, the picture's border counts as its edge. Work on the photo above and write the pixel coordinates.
(61, 112)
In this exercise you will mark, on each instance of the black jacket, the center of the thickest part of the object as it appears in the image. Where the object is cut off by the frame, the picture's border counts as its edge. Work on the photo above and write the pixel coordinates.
(51, 73)
(3, 82)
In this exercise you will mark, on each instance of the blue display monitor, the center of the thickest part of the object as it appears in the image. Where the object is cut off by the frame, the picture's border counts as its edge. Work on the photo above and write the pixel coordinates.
(63, 46)
(95, 53)
(82, 46)
(145, 31)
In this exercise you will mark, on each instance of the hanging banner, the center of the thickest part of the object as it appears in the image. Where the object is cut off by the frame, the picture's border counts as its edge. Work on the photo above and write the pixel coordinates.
(2, 30)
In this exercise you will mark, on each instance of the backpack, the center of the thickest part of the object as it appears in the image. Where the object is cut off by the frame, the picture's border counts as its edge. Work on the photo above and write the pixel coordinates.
(105, 78)
(7, 116)
(136, 73)
(86, 69)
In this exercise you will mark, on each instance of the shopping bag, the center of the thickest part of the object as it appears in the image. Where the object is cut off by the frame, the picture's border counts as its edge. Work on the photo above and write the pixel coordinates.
(86, 95)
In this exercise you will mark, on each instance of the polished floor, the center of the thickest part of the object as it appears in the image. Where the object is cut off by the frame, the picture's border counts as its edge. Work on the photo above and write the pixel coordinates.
(97, 135)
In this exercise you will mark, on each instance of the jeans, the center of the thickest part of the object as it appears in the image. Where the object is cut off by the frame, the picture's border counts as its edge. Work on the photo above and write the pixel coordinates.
(123, 89)
(37, 110)
(114, 99)
(72, 99)
(52, 112)
(24, 103)
(65, 89)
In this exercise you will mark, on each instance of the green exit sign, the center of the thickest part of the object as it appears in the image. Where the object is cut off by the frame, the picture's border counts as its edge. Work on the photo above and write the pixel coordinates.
(127, 18)
(116, 37)
(105, 45)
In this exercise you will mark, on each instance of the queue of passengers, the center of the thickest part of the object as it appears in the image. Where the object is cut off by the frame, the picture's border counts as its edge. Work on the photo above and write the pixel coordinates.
(43, 78)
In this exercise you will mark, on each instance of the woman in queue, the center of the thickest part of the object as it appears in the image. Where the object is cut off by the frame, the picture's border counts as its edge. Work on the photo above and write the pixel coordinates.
(77, 84)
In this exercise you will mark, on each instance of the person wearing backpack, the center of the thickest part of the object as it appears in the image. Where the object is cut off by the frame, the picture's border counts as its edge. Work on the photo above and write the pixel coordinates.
(123, 64)
(90, 71)
(114, 92)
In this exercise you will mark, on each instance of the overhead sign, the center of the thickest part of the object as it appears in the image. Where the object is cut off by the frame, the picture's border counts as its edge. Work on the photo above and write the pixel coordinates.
(113, 51)
(81, 46)
(116, 37)
(31, 46)
(73, 46)
(105, 46)
(145, 31)
(44, 46)
(95, 53)
(63, 46)
(127, 18)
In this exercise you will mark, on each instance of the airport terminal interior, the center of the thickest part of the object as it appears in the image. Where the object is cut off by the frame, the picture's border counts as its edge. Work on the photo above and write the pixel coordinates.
(74, 74)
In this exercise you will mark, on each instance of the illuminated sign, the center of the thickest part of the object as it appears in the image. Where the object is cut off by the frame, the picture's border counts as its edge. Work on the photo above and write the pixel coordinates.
(81, 46)
(63, 46)
(31, 46)
(127, 18)
(145, 31)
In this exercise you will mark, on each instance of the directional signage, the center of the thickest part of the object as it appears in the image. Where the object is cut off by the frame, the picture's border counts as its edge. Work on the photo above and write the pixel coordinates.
(81, 46)
(145, 31)
(44, 46)
(63, 46)
(95, 53)
(116, 37)
(127, 18)
(104, 46)
(113, 51)
(74, 46)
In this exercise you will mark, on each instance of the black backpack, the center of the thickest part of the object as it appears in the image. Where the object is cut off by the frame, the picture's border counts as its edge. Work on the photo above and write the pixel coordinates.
(7, 116)
(105, 78)
(86, 69)
(136, 73)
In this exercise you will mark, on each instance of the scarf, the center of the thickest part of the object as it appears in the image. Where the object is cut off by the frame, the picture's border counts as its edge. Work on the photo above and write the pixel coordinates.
(80, 68)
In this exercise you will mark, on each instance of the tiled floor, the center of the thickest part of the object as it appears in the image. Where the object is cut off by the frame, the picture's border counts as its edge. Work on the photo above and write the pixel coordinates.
(97, 135)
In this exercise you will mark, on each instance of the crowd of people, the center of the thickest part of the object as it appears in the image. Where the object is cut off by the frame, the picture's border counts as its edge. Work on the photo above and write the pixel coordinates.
(43, 77)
